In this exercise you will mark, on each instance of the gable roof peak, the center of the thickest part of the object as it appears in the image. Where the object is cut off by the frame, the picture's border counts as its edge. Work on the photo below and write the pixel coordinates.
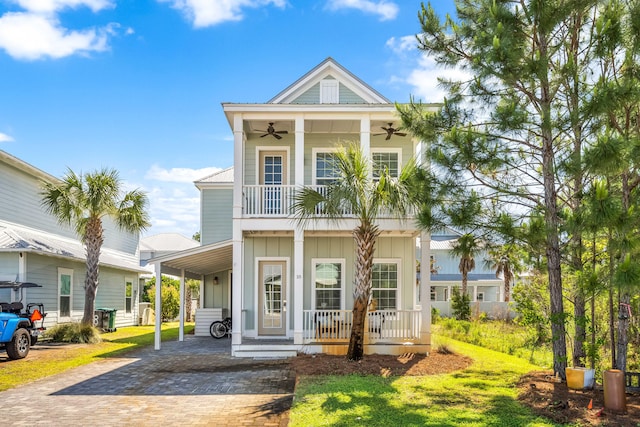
(329, 66)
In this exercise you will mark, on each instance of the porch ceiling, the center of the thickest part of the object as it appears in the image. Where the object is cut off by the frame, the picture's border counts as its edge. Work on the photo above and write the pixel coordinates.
(202, 260)
(319, 126)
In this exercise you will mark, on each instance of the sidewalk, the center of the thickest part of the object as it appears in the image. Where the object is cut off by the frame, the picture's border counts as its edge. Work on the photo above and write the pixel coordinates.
(190, 383)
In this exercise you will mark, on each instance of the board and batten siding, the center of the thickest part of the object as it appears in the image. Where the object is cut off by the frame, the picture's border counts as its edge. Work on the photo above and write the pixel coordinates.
(264, 247)
(217, 295)
(217, 215)
(400, 249)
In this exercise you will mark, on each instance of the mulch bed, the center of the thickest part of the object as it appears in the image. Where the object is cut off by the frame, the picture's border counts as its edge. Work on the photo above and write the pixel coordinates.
(556, 401)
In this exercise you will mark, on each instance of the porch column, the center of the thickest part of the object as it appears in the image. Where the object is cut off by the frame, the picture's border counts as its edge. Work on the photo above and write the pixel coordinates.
(299, 148)
(298, 286)
(181, 311)
(475, 293)
(365, 139)
(238, 164)
(238, 274)
(425, 288)
(158, 310)
(501, 293)
(201, 304)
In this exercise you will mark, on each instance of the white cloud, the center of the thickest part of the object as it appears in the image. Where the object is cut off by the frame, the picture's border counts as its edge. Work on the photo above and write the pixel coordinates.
(205, 13)
(32, 36)
(50, 6)
(402, 44)
(174, 208)
(178, 174)
(387, 10)
(37, 33)
(424, 79)
(5, 138)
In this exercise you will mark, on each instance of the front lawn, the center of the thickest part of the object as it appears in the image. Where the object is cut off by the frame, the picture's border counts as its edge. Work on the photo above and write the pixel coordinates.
(42, 362)
(482, 395)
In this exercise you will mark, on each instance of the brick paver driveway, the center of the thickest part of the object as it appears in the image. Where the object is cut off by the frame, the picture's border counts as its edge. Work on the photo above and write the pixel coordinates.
(190, 383)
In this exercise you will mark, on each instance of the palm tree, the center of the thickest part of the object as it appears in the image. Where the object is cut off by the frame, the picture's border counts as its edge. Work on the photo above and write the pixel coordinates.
(504, 261)
(82, 201)
(466, 248)
(355, 194)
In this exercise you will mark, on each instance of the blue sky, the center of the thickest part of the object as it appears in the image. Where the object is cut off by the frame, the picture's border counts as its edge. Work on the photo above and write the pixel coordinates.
(136, 85)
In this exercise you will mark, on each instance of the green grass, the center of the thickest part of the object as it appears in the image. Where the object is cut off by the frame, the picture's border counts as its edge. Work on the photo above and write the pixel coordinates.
(17, 372)
(496, 335)
(482, 395)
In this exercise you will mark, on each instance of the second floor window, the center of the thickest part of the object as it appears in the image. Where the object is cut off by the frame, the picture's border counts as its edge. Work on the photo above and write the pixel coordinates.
(326, 171)
(385, 160)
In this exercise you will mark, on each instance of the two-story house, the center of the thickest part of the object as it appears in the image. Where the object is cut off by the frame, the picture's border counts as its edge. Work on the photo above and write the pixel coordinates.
(34, 247)
(288, 287)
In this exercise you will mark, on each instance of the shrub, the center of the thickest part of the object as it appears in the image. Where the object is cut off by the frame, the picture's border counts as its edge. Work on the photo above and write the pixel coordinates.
(73, 333)
(170, 301)
(435, 315)
(460, 305)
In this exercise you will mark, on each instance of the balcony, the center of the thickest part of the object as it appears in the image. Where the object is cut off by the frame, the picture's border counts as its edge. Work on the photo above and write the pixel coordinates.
(273, 200)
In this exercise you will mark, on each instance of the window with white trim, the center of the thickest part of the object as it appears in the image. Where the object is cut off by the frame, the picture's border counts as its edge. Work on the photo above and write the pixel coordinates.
(328, 282)
(128, 296)
(65, 292)
(325, 168)
(388, 159)
(384, 285)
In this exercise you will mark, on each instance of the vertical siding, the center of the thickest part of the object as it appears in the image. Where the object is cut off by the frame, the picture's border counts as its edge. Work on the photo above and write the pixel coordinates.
(264, 247)
(217, 215)
(402, 248)
(250, 161)
(217, 296)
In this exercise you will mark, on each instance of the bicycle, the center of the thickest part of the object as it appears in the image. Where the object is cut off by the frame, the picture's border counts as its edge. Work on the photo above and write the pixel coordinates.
(220, 328)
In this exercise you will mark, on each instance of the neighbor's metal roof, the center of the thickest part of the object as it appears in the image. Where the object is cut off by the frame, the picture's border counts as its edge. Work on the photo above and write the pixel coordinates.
(14, 238)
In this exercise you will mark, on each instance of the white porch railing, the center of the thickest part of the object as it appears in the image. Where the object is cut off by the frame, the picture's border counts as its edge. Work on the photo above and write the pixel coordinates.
(335, 325)
(268, 200)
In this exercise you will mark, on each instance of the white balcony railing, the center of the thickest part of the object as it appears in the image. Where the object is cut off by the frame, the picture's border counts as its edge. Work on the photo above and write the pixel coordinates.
(335, 325)
(268, 200)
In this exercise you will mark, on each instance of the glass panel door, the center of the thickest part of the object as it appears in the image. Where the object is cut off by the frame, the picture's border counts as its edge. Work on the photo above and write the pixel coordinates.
(272, 302)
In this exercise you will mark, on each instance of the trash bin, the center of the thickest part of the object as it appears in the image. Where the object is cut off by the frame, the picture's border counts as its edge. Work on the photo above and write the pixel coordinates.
(615, 398)
(105, 319)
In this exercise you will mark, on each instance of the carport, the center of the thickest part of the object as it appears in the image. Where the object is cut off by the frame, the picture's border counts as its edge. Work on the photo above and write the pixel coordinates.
(194, 263)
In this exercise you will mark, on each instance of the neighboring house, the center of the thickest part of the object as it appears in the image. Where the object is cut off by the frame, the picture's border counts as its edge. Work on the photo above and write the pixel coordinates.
(34, 247)
(485, 289)
(163, 244)
(289, 288)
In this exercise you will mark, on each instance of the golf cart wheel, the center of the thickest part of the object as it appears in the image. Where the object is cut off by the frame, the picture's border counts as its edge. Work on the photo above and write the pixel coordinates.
(34, 340)
(20, 344)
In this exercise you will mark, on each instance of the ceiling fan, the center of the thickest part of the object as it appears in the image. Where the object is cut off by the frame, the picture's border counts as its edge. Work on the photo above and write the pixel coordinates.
(391, 131)
(273, 132)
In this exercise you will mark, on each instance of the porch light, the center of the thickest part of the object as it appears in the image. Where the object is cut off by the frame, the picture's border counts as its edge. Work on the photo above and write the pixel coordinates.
(215, 280)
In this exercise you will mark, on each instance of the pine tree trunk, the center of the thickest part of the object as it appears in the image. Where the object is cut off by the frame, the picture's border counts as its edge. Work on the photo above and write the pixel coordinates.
(365, 236)
(580, 322)
(93, 243)
(623, 328)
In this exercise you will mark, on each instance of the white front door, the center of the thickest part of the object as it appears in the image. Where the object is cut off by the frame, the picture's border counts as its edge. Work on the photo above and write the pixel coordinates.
(272, 298)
